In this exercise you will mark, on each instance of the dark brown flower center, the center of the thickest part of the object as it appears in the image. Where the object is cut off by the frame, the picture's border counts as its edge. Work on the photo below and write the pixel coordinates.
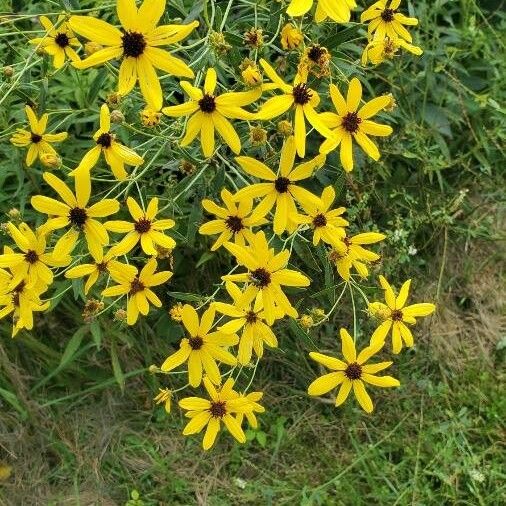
(218, 409)
(142, 226)
(397, 315)
(102, 266)
(301, 94)
(234, 224)
(62, 40)
(78, 216)
(388, 15)
(136, 286)
(31, 256)
(36, 138)
(281, 184)
(207, 103)
(105, 140)
(133, 44)
(315, 53)
(351, 122)
(196, 342)
(251, 317)
(260, 277)
(353, 371)
(319, 220)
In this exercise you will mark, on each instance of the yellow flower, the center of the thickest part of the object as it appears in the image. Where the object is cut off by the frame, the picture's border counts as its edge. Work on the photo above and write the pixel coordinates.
(33, 263)
(280, 189)
(396, 315)
(251, 319)
(380, 50)
(291, 37)
(233, 220)
(21, 300)
(176, 312)
(337, 10)
(50, 160)
(349, 124)
(252, 398)
(202, 349)
(164, 397)
(298, 97)
(349, 253)
(386, 21)
(316, 59)
(266, 275)
(58, 41)
(138, 287)
(327, 224)
(251, 75)
(149, 117)
(116, 155)
(209, 111)
(37, 141)
(73, 211)
(145, 229)
(223, 406)
(102, 263)
(137, 46)
(353, 372)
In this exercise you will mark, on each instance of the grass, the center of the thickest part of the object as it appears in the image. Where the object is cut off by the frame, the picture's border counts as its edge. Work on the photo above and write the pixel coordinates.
(77, 423)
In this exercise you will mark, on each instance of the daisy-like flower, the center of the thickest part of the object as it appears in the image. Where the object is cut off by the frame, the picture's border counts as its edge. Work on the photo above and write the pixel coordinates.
(137, 285)
(74, 212)
(164, 397)
(37, 141)
(280, 189)
(145, 229)
(232, 220)
(298, 97)
(251, 319)
(58, 41)
(291, 37)
(385, 21)
(353, 372)
(337, 10)
(33, 263)
(266, 276)
(102, 263)
(349, 253)
(116, 154)
(209, 111)
(327, 224)
(349, 124)
(377, 51)
(224, 405)
(202, 348)
(137, 45)
(395, 315)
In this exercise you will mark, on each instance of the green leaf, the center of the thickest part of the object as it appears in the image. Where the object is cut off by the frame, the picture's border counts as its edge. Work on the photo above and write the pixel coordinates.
(116, 367)
(72, 346)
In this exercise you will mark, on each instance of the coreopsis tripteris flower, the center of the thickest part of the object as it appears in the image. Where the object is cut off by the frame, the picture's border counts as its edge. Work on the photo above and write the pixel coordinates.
(145, 229)
(233, 220)
(353, 372)
(252, 398)
(202, 348)
(349, 253)
(316, 59)
(266, 275)
(37, 141)
(209, 111)
(164, 397)
(327, 224)
(281, 189)
(137, 45)
(250, 318)
(395, 315)
(385, 21)
(33, 263)
(74, 212)
(58, 41)
(137, 285)
(298, 97)
(224, 405)
(337, 10)
(291, 37)
(101, 264)
(380, 50)
(116, 154)
(349, 124)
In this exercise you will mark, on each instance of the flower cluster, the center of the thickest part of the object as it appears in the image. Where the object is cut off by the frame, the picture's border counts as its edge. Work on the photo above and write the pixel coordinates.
(94, 228)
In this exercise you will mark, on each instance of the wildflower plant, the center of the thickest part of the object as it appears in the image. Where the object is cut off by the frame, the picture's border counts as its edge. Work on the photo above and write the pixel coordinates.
(208, 243)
